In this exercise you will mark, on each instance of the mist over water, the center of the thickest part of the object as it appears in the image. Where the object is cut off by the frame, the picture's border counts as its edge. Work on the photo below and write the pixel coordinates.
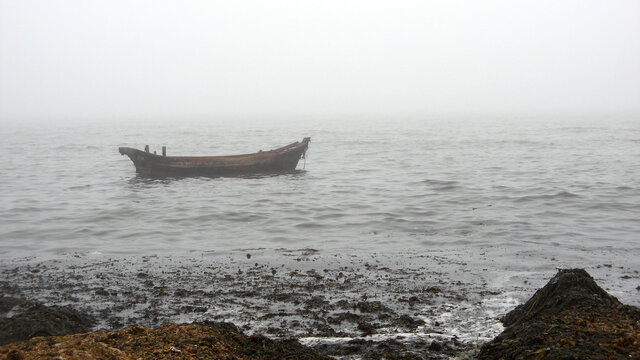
(163, 59)
(461, 152)
(557, 188)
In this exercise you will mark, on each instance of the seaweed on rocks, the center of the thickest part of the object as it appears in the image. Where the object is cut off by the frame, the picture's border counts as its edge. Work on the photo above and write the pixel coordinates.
(570, 288)
(185, 341)
(569, 318)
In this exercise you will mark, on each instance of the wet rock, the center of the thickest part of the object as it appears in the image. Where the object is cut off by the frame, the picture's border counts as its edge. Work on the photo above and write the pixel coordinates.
(351, 347)
(101, 292)
(366, 328)
(180, 293)
(408, 322)
(25, 319)
(433, 290)
(316, 302)
(7, 304)
(345, 316)
(411, 300)
(569, 318)
(568, 289)
(344, 304)
(372, 307)
(324, 330)
(390, 349)
(436, 346)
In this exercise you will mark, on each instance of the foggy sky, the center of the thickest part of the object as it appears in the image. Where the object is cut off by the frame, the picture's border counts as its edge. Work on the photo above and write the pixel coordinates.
(146, 59)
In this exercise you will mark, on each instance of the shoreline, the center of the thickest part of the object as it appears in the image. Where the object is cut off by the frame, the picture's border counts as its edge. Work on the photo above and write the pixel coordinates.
(341, 305)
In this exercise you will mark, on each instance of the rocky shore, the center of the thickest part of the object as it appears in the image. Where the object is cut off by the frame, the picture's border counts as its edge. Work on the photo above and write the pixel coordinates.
(569, 318)
(306, 310)
(186, 341)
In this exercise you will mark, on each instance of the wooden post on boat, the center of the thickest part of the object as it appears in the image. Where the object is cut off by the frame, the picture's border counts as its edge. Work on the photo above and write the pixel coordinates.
(146, 148)
(164, 151)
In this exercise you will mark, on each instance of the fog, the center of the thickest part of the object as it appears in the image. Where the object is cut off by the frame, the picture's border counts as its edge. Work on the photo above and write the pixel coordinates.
(107, 60)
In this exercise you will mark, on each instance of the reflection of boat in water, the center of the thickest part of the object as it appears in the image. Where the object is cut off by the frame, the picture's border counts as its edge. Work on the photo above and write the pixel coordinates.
(283, 159)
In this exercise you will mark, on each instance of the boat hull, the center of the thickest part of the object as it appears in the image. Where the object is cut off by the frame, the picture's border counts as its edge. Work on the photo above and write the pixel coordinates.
(284, 159)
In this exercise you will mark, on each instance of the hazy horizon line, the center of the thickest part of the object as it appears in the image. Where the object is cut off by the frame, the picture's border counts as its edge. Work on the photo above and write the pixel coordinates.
(380, 117)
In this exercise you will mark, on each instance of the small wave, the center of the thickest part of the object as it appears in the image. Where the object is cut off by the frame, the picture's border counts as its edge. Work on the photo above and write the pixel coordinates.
(509, 142)
(79, 187)
(330, 216)
(309, 225)
(68, 147)
(18, 210)
(559, 195)
(441, 184)
(233, 216)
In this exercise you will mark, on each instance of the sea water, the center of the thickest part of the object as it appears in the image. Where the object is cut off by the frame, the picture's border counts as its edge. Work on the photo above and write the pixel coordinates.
(513, 197)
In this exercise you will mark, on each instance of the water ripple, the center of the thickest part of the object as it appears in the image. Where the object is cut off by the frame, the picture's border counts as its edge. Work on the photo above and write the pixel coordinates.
(436, 185)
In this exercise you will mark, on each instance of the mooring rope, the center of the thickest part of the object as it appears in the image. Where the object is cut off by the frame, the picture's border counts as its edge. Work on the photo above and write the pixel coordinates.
(304, 157)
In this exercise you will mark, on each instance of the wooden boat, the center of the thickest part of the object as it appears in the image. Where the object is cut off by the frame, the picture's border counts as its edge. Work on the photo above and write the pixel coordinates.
(279, 160)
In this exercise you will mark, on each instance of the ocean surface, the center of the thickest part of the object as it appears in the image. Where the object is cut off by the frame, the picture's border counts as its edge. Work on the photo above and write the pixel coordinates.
(531, 193)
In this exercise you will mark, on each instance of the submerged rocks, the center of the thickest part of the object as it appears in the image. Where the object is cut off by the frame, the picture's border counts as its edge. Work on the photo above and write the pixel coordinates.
(23, 319)
(569, 318)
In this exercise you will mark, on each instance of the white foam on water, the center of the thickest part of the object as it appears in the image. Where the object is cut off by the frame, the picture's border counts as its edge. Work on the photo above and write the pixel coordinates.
(472, 323)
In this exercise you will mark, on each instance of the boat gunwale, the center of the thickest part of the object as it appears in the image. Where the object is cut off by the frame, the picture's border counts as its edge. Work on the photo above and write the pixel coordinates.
(268, 153)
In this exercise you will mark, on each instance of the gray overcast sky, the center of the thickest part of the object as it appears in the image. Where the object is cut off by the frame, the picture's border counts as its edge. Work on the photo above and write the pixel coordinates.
(145, 59)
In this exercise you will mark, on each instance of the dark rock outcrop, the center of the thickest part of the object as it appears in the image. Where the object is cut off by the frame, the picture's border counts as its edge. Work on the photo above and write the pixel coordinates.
(569, 318)
(23, 319)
